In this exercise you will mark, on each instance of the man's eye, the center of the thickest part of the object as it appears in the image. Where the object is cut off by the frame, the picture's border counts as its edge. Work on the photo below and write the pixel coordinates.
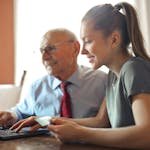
(50, 48)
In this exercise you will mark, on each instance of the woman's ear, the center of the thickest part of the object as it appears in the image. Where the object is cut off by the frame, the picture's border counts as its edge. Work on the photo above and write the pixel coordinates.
(115, 39)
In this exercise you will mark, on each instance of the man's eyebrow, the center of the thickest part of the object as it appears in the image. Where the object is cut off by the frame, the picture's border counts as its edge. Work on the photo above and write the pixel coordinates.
(46, 45)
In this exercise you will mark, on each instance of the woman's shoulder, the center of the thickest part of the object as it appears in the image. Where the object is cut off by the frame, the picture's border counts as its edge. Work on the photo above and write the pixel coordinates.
(136, 64)
(135, 68)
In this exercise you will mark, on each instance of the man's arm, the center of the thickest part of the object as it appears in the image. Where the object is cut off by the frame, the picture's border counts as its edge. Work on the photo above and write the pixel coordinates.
(25, 107)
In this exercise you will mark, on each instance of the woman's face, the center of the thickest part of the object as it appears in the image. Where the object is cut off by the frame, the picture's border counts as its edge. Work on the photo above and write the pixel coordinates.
(96, 47)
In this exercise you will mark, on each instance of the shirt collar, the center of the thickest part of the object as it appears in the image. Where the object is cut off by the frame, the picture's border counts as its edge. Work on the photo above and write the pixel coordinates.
(53, 82)
(75, 79)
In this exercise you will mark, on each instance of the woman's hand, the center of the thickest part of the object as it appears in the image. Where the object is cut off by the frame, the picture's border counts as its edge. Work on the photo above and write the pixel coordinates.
(65, 130)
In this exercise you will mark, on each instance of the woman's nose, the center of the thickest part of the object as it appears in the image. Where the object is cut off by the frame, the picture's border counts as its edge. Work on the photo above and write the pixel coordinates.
(84, 51)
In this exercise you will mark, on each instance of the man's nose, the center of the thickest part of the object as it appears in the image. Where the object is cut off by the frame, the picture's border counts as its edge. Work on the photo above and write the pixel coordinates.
(45, 54)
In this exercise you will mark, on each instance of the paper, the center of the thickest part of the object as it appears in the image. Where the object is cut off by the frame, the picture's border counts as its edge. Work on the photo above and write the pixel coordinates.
(43, 121)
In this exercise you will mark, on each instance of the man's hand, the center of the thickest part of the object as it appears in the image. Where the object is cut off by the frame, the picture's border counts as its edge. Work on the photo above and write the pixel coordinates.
(7, 118)
(29, 122)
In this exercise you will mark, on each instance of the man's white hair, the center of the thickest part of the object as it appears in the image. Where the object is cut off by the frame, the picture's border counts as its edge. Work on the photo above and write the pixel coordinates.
(65, 31)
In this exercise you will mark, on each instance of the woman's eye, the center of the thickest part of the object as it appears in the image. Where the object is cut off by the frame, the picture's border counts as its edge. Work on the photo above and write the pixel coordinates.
(87, 41)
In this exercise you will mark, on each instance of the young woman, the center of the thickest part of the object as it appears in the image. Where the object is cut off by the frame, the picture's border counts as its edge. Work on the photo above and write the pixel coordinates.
(124, 119)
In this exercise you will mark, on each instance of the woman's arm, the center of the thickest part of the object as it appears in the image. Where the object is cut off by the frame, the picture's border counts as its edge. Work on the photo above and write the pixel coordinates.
(137, 136)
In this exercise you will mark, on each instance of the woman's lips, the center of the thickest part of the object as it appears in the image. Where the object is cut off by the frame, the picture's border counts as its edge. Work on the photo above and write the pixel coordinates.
(91, 59)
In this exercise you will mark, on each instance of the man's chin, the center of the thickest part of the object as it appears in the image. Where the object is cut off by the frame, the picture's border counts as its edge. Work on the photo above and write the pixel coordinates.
(49, 71)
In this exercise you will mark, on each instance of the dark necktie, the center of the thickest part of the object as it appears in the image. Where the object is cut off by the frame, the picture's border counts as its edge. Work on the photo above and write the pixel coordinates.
(65, 108)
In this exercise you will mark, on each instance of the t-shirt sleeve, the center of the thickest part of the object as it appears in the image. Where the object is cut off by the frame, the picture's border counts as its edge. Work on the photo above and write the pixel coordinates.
(136, 78)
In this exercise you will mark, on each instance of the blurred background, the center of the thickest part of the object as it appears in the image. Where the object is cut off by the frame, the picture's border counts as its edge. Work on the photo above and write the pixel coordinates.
(23, 23)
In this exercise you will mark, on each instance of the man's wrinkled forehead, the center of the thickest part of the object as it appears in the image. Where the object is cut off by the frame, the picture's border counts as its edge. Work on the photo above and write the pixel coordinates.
(44, 42)
(51, 38)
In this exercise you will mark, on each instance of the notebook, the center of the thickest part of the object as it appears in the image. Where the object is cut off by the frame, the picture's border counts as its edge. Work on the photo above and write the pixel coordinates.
(7, 134)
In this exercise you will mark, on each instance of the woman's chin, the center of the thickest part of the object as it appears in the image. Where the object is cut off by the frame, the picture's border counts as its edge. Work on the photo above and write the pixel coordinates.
(95, 66)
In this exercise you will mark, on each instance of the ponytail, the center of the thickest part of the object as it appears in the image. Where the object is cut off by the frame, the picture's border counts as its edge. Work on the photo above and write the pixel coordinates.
(133, 29)
(122, 17)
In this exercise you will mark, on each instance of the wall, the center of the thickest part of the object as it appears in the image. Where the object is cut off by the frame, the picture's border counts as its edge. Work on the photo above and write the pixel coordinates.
(144, 20)
(6, 42)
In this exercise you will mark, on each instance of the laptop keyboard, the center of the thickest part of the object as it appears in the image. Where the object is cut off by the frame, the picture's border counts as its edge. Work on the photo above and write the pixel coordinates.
(8, 134)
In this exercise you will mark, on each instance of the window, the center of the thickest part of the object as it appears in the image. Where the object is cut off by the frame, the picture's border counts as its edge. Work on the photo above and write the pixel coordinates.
(35, 17)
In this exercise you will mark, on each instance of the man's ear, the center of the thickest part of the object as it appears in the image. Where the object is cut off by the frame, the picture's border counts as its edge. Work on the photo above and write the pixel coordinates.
(77, 47)
(115, 39)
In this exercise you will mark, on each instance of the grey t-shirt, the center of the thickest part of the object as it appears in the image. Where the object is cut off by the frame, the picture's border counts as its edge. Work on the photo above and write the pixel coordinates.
(134, 79)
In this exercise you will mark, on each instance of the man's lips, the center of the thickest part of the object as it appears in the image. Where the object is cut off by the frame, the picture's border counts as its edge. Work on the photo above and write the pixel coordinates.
(50, 63)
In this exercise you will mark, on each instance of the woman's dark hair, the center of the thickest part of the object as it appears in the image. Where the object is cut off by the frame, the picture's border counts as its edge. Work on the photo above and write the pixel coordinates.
(108, 18)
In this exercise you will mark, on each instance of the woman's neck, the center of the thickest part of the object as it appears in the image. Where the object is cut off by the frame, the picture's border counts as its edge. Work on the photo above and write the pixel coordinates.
(118, 63)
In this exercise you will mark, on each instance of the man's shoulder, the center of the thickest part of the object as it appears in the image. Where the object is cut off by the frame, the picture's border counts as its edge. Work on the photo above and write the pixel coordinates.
(42, 80)
(89, 72)
(97, 79)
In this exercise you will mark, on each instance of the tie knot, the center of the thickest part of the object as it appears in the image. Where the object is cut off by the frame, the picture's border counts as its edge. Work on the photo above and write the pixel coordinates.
(64, 85)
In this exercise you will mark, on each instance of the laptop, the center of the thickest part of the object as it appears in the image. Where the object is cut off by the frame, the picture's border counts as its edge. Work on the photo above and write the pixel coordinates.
(7, 134)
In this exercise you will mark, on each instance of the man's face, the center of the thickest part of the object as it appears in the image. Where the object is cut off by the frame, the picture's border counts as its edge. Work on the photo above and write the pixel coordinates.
(58, 54)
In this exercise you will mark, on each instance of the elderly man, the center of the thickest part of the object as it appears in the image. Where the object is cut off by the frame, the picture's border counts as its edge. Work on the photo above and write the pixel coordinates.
(85, 89)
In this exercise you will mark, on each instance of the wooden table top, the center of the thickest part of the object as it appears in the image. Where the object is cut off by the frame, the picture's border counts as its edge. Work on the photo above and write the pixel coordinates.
(45, 143)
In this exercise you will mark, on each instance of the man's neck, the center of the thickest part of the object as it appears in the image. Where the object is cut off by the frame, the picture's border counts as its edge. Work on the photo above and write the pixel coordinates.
(68, 73)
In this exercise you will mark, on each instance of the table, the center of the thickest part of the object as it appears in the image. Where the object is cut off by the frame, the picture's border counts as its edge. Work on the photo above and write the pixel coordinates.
(45, 143)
